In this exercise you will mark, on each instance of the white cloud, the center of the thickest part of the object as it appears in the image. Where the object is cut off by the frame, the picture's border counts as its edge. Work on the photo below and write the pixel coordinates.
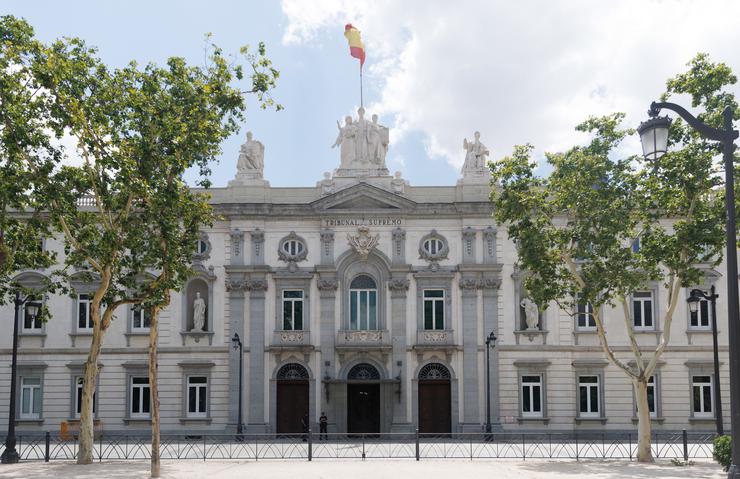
(519, 71)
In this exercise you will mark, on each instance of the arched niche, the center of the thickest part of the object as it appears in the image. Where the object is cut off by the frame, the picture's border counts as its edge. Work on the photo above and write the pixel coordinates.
(350, 266)
(199, 285)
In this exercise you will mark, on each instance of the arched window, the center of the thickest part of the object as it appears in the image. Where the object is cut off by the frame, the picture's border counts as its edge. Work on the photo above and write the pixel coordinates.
(434, 371)
(292, 372)
(363, 302)
(363, 372)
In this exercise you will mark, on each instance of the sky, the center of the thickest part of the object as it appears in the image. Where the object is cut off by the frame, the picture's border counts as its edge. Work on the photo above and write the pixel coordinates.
(436, 71)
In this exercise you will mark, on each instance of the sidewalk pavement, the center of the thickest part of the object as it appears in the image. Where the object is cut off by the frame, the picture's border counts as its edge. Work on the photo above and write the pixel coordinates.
(373, 469)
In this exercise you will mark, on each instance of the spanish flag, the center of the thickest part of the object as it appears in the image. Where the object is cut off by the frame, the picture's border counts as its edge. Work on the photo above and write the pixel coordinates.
(356, 47)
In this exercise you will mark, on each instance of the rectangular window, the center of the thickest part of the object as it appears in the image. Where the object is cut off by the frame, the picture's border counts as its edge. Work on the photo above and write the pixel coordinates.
(701, 317)
(363, 309)
(652, 397)
(434, 309)
(32, 322)
(84, 320)
(293, 310)
(702, 395)
(79, 381)
(588, 396)
(532, 396)
(197, 396)
(140, 397)
(141, 318)
(642, 309)
(584, 315)
(30, 397)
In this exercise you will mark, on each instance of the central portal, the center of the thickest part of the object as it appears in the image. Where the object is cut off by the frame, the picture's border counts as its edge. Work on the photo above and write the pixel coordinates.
(363, 408)
(363, 400)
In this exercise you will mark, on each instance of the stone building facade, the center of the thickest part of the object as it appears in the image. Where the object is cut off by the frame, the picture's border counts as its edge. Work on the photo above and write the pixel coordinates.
(370, 300)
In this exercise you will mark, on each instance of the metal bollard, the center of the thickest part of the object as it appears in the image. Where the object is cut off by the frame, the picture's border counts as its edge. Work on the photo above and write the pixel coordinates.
(524, 449)
(310, 444)
(47, 442)
(685, 445)
(417, 443)
(576, 438)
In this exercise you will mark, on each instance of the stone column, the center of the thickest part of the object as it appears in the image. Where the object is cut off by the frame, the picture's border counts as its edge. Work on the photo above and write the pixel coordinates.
(258, 250)
(468, 243)
(327, 285)
(399, 288)
(469, 296)
(237, 247)
(257, 286)
(327, 246)
(235, 286)
(490, 285)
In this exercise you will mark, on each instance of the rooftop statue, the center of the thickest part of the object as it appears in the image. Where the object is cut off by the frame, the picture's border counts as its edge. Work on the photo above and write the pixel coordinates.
(363, 146)
(251, 156)
(475, 154)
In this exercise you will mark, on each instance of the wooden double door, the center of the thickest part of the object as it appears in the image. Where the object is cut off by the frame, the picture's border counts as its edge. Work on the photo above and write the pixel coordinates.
(363, 408)
(435, 408)
(292, 405)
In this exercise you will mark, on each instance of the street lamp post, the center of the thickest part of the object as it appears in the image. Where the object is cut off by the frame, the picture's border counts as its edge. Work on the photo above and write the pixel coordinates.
(654, 138)
(490, 343)
(238, 345)
(693, 300)
(10, 455)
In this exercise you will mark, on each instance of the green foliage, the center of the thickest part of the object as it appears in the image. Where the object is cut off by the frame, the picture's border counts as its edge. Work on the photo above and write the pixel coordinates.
(26, 138)
(574, 229)
(722, 451)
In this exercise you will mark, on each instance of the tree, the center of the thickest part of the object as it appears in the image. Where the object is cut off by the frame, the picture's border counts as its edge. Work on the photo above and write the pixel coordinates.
(25, 137)
(126, 211)
(576, 230)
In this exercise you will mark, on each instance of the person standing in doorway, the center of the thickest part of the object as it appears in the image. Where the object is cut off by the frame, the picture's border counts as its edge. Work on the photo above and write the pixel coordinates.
(323, 422)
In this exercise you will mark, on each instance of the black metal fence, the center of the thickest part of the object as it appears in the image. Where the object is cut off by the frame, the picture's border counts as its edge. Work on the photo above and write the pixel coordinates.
(520, 446)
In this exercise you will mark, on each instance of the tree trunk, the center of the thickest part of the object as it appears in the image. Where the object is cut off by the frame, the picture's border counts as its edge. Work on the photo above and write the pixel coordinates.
(153, 336)
(644, 450)
(87, 440)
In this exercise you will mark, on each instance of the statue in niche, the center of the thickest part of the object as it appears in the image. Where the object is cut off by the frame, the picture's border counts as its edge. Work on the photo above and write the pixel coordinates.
(199, 313)
(531, 313)
(475, 154)
(251, 156)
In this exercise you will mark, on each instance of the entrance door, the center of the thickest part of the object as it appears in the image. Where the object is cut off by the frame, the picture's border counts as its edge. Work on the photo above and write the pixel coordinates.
(292, 405)
(363, 408)
(434, 407)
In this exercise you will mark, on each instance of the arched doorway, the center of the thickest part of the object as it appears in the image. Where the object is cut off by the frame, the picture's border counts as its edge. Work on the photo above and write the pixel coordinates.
(363, 400)
(292, 398)
(435, 409)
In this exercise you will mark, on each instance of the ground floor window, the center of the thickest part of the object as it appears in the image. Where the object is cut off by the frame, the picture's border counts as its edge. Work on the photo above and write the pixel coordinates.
(30, 397)
(588, 396)
(532, 396)
(197, 396)
(701, 387)
(140, 397)
(79, 381)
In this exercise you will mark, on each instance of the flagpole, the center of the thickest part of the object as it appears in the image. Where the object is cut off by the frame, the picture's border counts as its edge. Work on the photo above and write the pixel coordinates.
(361, 103)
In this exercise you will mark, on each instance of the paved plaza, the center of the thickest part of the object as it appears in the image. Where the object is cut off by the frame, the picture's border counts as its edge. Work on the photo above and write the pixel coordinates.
(501, 469)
